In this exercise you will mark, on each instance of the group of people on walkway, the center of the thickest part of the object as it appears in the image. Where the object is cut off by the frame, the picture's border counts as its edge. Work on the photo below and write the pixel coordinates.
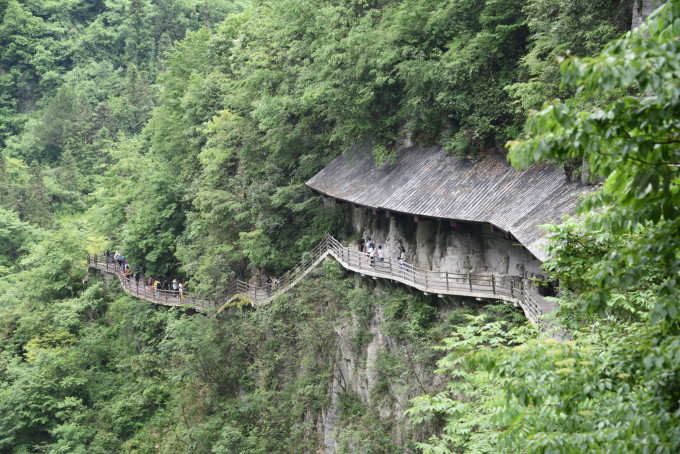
(155, 285)
(368, 247)
(268, 283)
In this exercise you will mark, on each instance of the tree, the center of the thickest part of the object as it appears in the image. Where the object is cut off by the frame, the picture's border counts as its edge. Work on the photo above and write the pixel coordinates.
(35, 206)
(616, 387)
(14, 237)
(633, 144)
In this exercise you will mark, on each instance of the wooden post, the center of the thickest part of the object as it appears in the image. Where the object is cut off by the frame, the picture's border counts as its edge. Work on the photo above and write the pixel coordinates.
(95, 260)
(470, 280)
(493, 284)
(447, 280)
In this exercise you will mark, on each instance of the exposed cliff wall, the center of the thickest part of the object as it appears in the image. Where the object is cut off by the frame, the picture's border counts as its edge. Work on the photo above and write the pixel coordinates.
(437, 245)
(333, 364)
(642, 9)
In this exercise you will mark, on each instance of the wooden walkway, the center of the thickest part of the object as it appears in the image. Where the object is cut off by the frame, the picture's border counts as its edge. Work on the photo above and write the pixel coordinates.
(142, 291)
(487, 286)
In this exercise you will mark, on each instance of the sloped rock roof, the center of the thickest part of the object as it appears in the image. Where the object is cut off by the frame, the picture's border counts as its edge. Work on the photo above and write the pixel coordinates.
(429, 182)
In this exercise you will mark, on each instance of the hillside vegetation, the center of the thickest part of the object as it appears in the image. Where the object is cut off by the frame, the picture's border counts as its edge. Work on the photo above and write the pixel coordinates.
(181, 133)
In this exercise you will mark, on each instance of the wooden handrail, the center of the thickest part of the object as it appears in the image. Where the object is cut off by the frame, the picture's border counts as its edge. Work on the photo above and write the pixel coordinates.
(142, 291)
(504, 287)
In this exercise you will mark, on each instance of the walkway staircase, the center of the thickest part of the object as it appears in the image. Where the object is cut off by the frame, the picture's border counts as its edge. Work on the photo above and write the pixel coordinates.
(487, 286)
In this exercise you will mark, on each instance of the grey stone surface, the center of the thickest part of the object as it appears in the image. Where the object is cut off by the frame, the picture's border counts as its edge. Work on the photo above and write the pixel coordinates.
(436, 245)
(642, 9)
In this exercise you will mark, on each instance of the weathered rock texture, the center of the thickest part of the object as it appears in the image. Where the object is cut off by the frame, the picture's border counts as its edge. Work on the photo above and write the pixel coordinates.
(359, 370)
(642, 9)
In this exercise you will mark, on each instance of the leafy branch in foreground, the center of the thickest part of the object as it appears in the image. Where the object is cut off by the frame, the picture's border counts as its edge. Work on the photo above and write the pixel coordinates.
(633, 144)
(616, 388)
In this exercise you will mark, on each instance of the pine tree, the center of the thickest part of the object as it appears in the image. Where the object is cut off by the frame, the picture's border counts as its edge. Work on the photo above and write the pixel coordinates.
(35, 201)
(69, 176)
(4, 182)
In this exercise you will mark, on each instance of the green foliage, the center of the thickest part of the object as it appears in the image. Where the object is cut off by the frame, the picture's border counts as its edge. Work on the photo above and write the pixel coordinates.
(560, 29)
(15, 238)
(632, 144)
(573, 252)
(615, 388)
(466, 406)
(185, 143)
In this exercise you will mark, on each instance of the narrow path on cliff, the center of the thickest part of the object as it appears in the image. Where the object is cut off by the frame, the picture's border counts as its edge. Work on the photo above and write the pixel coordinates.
(488, 286)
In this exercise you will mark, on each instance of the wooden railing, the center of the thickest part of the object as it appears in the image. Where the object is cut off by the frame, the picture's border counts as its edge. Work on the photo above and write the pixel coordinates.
(488, 286)
(142, 291)
(507, 288)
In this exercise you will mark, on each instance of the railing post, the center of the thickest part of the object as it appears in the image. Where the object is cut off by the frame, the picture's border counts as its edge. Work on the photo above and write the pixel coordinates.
(512, 287)
(493, 284)
(470, 280)
(426, 280)
(95, 260)
(447, 281)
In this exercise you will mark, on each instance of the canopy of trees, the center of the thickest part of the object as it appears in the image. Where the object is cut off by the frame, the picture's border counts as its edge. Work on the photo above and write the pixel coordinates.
(181, 133)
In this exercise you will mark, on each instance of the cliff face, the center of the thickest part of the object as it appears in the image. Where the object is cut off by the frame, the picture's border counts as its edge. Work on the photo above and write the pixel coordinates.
(335, 364)
(380, 366)
(642, 9)
(439, 246)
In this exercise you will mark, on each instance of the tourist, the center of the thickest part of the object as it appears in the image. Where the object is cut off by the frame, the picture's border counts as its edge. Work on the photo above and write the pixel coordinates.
(156, 288)
(369, 244)
(371, 254)
(166, 284)
(138, 273)
(180, 289)
(360, 244)
(381, 254)
(268, 285)
(402, 258)
(175, 287)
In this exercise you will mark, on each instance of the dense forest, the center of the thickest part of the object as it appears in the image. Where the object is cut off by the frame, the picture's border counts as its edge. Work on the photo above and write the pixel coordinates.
(181, 133)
